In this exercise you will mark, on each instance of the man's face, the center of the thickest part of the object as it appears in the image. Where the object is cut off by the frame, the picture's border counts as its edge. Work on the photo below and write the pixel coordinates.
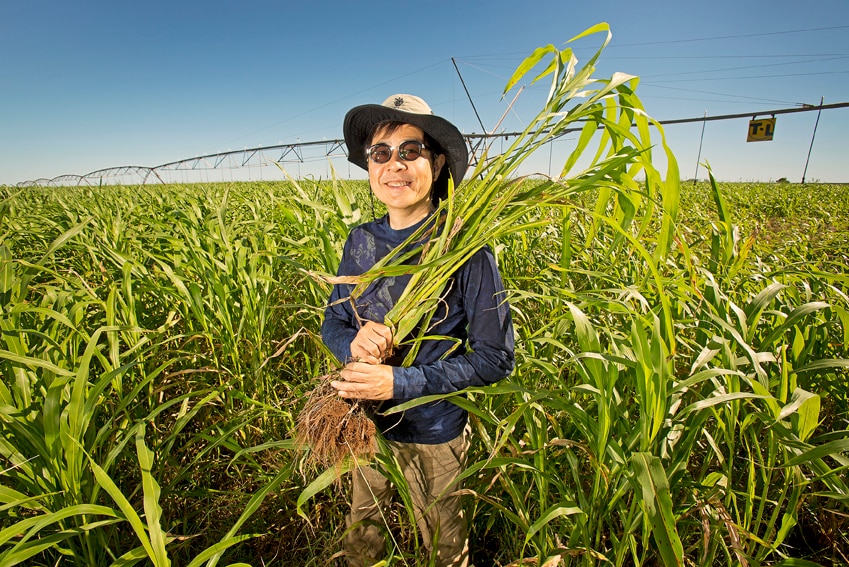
(404, 186)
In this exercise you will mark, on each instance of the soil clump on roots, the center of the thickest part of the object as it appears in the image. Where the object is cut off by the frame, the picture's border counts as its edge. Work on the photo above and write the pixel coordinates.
(335, 429)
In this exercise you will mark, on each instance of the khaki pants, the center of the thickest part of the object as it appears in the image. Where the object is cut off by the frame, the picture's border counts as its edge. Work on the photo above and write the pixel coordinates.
(429, 471)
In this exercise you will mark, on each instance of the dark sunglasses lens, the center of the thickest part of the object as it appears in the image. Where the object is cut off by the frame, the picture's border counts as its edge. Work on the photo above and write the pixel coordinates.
(410, 151)
(380, 153)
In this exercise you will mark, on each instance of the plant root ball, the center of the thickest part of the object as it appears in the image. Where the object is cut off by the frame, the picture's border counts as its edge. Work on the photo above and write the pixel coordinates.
(334, 428)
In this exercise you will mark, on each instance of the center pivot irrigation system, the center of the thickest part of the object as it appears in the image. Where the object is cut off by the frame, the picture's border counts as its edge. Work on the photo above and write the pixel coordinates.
(290, 157)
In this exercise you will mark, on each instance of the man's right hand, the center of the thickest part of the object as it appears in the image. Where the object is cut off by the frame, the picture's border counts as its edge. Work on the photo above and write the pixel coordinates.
(372, 344)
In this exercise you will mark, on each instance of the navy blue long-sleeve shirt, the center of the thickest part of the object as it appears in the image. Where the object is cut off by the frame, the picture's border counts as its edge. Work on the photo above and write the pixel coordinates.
(474, 310)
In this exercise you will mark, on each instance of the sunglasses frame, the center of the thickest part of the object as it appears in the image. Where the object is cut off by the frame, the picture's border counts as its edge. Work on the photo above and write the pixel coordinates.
(401, 153)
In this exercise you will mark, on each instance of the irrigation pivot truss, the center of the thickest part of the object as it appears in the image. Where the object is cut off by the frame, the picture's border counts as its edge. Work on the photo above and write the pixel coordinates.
(198, 168)
(287, 159)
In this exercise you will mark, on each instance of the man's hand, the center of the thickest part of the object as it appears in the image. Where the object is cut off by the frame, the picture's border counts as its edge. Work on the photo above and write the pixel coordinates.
(365, 381)
(372, 343)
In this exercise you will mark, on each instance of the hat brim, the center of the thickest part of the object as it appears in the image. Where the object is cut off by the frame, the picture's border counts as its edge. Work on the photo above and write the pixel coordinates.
(360, 122)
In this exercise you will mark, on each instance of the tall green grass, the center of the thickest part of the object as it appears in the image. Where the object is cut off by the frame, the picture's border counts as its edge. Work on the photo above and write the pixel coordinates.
(609, 442)
(169, 322)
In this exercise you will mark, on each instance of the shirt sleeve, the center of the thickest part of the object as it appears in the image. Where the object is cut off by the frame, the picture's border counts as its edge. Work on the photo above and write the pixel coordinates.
(339, 327)
(337, 330)
(489, 353)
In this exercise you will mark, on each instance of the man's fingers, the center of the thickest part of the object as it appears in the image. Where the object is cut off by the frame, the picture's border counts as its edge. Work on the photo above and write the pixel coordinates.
(363, 380)
(341, 391)
(350, 388)
(353, 372)
(380, 341)
(384, 333)
(372, 343)
(379, 335)
(363, 354)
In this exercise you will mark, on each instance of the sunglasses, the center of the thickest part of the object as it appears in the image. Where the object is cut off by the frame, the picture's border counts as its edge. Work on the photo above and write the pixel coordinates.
(407, 151)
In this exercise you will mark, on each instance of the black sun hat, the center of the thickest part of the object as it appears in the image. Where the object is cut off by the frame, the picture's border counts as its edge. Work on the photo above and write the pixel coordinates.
(360, 123)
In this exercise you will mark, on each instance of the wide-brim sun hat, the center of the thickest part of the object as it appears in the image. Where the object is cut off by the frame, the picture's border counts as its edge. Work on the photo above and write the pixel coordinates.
(360, 122)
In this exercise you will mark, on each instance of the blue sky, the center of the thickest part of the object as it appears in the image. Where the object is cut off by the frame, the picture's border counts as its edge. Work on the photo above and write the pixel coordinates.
(87, 85)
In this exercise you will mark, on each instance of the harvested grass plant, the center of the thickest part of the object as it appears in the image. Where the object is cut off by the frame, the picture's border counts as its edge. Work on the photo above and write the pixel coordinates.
(492, 204)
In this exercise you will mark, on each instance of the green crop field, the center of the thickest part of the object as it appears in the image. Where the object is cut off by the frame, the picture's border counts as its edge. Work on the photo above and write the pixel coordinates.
(679, 396)
(158, 341)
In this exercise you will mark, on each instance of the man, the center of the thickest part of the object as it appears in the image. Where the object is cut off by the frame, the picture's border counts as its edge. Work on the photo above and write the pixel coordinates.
(409, 154)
